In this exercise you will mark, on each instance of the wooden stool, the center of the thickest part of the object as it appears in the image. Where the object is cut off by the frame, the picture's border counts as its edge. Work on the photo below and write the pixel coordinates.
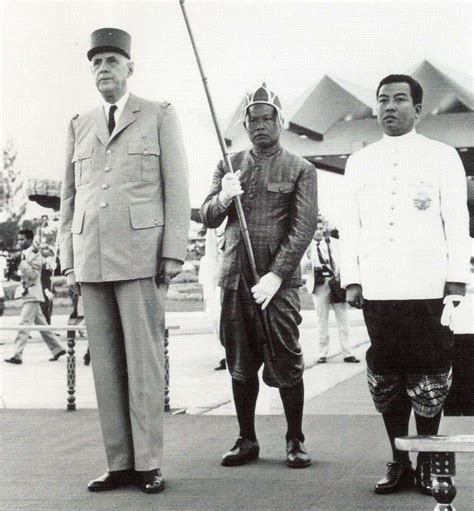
(442, 451)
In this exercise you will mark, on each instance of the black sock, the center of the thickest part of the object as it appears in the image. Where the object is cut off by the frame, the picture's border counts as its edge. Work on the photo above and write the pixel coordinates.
(245, 398)
(426, 426)
(293, 402)
(396, 420)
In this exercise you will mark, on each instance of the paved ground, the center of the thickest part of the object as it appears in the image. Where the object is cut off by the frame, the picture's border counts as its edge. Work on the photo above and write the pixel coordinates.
(50, 454)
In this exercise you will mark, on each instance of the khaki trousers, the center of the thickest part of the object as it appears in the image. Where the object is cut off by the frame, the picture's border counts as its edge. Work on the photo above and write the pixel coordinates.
(125, 325)
(31, 314)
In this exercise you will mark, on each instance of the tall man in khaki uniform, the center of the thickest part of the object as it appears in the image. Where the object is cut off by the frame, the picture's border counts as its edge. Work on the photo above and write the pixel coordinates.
(124, 223)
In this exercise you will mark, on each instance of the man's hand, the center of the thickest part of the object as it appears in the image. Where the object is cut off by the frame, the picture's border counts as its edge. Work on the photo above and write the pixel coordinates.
(168, 270)
(354, 296)
(230, 187)
(265, 290)
(455, 288)
(73, 286)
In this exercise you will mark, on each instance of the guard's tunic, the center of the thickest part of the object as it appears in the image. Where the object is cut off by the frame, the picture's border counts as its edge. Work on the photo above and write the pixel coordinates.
(404, 235)
(280, 206)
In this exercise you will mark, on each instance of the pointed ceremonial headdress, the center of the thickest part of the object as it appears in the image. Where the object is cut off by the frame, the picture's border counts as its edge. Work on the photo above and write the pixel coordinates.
(263, 96)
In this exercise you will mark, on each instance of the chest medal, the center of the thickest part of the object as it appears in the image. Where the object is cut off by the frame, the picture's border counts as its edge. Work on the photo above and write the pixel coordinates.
(422, 201)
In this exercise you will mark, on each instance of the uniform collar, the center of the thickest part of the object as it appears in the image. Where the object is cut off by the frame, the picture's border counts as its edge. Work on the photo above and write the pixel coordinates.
(400, 140)
(266, 152)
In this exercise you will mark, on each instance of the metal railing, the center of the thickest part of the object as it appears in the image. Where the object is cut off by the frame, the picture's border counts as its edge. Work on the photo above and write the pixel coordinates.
(71, 356)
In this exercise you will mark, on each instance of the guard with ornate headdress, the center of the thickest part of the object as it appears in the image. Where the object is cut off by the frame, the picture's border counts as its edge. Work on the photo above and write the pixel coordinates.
(278, 196)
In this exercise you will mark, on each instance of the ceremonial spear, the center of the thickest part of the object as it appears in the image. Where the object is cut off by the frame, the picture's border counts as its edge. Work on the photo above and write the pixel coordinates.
(228, 164)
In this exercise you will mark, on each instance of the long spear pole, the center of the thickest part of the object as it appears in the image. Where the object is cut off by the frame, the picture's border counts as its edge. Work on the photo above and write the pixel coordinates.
(228, 165)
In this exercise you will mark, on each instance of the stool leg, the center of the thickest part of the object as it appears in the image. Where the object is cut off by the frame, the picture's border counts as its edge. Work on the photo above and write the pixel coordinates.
(167, 372)
(71, 371)
(443, 468)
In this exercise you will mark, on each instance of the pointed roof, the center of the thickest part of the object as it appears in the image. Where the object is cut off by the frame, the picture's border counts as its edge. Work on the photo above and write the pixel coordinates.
(234, 127)
(327, 104)
(440, 93)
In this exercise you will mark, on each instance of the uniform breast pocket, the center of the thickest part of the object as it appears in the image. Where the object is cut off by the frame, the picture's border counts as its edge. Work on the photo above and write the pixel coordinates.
(280, 192)
(144, 157)
(82, 160)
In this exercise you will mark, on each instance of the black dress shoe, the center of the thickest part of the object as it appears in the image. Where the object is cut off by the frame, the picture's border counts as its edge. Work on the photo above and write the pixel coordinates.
(60, 354)
(322, 360)
(351, 360)
(244, 450)
(222, 365)
(399, 475)
(87, 358)
(152, 481)
(296, 455)
(14, 360)
(112, 480)
(423, 478)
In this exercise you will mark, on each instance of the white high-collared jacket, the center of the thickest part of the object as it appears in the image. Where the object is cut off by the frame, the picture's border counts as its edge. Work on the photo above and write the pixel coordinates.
(405, 231)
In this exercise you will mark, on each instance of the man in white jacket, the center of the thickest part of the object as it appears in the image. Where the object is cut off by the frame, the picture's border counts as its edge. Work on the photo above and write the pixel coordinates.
(404, 246)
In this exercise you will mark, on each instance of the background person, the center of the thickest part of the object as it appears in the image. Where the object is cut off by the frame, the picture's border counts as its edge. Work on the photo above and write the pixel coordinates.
(29, 272)
(209, 271)
(323, 253)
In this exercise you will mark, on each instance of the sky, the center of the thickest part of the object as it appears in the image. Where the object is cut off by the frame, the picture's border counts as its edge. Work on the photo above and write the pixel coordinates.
(45, 74)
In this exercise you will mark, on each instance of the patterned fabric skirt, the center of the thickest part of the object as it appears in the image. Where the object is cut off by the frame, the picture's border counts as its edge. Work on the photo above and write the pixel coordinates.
(427, 392)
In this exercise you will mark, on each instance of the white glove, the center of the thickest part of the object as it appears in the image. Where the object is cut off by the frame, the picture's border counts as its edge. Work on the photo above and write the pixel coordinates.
(265, 290)
(449, 308)
(230, 187)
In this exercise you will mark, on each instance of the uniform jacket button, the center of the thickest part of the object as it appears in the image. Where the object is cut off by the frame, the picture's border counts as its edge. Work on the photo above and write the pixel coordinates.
(103, 204)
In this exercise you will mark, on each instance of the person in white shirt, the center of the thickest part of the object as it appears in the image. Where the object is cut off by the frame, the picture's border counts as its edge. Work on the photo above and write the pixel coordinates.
(404, 246)
(323, 253)
(29, 272)
(209, 271)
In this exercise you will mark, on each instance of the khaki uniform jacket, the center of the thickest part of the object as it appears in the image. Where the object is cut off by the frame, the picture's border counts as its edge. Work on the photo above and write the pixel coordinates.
(124, 200)
(30, 269)
(280, 206)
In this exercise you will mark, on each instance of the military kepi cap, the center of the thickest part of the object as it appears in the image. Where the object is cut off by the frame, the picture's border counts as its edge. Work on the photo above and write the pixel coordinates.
(110, 39)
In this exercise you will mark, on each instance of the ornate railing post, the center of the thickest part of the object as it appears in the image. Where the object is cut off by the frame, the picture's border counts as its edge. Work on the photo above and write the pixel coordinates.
(71, 370)
(167, 371)
(443, 469)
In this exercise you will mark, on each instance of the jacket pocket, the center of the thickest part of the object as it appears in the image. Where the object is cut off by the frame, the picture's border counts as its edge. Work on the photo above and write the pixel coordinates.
(146, 215)
(145, 158)
(82, 160)
(77, 222)
(282, 187)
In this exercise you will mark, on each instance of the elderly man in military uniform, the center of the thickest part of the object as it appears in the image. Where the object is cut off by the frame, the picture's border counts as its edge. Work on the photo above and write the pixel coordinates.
(278, 192)
(404, 247)
(124, 225)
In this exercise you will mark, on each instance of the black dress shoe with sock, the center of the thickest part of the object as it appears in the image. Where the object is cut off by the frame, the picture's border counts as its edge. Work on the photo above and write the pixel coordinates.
(60, 354)
(244, 450)
(351, 360)
(112, 480)
(399, 475)
(152, 481)
(296, 455)
(14, 360)
(423, 478)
